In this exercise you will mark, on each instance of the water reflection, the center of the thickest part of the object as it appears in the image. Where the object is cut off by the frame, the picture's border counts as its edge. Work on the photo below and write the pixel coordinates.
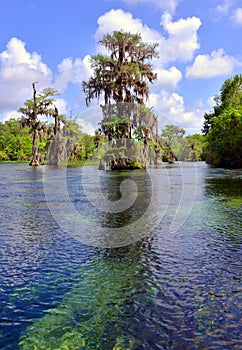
(225, 193)
(110, 185)
(23, 233)
(85, 212)
(167, 291)
(93, 314)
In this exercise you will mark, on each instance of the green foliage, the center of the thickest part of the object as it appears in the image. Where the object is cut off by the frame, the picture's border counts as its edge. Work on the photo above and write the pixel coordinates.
(40, 105)
(83, 148)
(223, 126)
(89, 315)
(15, 141)
(225, 139)
(122, 76)
(177, 147)
(172, 132)
(172, 144)
(194, 148)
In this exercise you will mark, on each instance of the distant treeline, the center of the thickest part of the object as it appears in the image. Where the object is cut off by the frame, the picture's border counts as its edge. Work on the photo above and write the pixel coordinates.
(16, 143)
(223, 126)
(122, 78)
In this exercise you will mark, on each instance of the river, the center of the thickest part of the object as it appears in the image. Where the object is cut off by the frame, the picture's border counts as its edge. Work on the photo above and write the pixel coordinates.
(168, 280)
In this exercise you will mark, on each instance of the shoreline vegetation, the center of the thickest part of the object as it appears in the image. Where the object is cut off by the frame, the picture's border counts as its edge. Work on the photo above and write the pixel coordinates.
(16, 142)
(128, 135)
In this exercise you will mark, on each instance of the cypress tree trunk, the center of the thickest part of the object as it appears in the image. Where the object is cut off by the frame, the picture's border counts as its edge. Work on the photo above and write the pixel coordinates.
(35, 154)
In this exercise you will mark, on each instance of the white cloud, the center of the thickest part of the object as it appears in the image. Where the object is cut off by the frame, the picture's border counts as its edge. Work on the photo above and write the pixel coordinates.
(65, 74)
(167, 79)
(82, 69)
(72, 71)
(171, 109)
(224, 7)
(11, 114)
(210, 101)
(86, 127)
(210, 66)
(181, 41)
(182, 38)
(16, 55)
(163, 4)
(120, 20)
(237, 16)
(227, 8)
(61, 105)
(18, 70)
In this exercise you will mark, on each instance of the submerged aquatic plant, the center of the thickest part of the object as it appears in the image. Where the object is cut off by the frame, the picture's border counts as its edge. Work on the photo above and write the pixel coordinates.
(89, 316)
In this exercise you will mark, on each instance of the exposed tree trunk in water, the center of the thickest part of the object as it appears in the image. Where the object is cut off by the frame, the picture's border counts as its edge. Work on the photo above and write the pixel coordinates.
(59, 150)
(123, 78)
(34, 155)
(172, 157)
(125, 150)
(64, 144)
(39, 105)
(57, 122)
(35, 161)
(58, 145)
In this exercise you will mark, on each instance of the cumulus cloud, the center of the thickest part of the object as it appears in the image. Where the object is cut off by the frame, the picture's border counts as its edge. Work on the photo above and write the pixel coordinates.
(86, 127)
(229, 9)
(16, 54)
(224, 7)
(237, 16)
(75, 71)
(162, 4)
(170, 108)
(181, 39)
(61, 105)
(167, 78)
(10, 115)
(18, 70)
(210, 66)
(64, 76)
(118, 20)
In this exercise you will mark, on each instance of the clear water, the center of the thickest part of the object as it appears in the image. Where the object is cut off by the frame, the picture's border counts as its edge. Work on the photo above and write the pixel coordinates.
(167, 291)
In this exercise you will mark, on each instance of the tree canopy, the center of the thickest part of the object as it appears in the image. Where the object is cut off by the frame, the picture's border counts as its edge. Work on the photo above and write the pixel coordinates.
(223, 126)
(121, 77)
(41, 104)
(123, 74)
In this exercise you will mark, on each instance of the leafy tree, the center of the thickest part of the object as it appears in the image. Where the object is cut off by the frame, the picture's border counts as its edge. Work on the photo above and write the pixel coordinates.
(15, 142)
(172, 132)
(41, 104)
(194, 148)
(122, 78)
(172, 135)
(223, 126)
(84, 148)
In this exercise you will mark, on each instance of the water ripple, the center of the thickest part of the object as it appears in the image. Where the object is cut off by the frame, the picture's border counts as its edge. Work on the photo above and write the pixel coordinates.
(168, 291)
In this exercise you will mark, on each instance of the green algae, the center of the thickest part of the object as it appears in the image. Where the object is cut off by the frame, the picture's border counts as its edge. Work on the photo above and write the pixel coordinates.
(88, 317)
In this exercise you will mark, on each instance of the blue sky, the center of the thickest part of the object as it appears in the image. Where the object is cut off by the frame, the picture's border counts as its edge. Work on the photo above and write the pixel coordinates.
(50, 41)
